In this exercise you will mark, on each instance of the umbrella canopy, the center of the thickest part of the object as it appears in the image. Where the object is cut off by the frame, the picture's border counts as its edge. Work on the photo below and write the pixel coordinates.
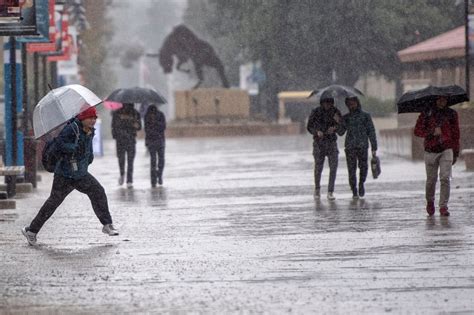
(338, 92)
(60, 105)
(136, 95)
(420, 100)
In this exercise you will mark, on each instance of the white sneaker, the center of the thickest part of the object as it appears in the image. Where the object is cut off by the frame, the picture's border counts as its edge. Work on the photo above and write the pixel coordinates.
(129, 185)
(110, 230)
(30, 236)
(331, 196)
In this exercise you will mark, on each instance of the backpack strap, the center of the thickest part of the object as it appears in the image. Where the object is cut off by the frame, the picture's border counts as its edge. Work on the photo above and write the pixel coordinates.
(75, 128)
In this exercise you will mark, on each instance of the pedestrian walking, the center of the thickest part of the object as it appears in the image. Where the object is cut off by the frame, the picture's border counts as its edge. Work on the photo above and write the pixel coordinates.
(324, 124)
(155, 126)
(74, 144)
(439, 126)
(125, 124)
(360, 131)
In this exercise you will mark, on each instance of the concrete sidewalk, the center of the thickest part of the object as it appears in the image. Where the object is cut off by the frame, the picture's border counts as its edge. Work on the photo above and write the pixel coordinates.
(235, 229)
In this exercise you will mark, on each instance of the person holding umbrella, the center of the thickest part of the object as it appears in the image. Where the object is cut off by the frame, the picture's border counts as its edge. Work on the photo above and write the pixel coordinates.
(323, 124)
(74, 143)
(155, 125)
(360, 131)
(126, 122)
(439, 126)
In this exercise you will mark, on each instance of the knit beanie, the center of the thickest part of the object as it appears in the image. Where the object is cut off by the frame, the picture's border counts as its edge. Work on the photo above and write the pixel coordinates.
(91, 112)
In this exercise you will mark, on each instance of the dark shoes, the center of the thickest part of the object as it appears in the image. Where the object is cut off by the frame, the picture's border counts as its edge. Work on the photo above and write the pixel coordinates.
(355, 194)
(443, 212)
(361, 190)
(430, 208)
(160, 180)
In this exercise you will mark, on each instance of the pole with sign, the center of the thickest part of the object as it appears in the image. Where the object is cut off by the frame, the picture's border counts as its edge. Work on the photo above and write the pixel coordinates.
(13, 101)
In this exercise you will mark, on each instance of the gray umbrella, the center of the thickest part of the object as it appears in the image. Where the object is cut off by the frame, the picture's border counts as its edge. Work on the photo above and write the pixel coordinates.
(136, 95)
(338, 92)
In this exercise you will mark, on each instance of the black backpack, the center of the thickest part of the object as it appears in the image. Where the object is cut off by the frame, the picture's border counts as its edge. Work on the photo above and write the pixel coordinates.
(51, 154)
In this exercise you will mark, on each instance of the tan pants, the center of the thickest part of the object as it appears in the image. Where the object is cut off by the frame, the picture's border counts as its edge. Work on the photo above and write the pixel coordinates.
(442, 161)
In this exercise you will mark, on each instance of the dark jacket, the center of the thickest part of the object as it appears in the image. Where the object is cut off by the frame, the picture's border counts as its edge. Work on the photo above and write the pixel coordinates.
(360, 130)
(155, 126)
(447, 120)
(80, 152)
(125, 124)
(321, 120)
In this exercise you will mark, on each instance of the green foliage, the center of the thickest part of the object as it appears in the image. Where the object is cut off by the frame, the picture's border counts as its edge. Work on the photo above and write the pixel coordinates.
(97, 75)
(302, 43)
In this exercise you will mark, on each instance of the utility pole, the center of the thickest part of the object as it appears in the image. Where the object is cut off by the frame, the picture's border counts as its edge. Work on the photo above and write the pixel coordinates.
(467, 52)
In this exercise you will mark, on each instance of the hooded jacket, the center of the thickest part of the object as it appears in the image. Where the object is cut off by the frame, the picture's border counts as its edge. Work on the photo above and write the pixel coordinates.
(360, 130)
(447, 120)
(155, 125)
(80, 152)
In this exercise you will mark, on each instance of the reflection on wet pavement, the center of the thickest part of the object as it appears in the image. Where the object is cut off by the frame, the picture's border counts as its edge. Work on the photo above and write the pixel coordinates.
(236, 229)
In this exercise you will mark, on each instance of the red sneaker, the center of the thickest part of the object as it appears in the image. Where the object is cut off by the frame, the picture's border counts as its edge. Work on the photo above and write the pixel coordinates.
(430, 208)
(444, 212)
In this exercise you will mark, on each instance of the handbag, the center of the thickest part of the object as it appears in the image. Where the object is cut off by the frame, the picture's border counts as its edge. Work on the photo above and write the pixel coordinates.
(375, 166)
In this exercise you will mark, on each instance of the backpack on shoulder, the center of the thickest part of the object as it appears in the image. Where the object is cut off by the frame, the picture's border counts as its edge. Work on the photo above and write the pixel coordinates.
(51, 155)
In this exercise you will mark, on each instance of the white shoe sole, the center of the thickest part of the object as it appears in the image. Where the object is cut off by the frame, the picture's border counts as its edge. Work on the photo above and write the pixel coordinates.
(23, 231)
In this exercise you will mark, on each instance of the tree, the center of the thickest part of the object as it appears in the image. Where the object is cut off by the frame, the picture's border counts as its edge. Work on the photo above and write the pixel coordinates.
(303, 44)
(93, 50)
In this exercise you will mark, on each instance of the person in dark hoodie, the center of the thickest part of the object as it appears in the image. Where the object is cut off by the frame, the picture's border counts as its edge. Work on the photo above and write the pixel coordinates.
(439, 126)
(324, 125)
(360, 131)
(155, 126)
(71, 172)
(126, 122)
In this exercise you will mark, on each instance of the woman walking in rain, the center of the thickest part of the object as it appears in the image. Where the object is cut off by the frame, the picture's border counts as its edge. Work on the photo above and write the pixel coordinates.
(71, 172)
(439, 126)
(360, 131)
(323, 124)
(155, 126)
(125, 124)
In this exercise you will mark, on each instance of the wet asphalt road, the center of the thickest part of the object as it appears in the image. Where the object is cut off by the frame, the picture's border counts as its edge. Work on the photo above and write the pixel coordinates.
(235, 229)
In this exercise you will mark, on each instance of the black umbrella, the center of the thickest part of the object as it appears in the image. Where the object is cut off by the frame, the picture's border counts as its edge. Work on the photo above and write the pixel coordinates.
(420, 100)
(338, 92)
(136, 95)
